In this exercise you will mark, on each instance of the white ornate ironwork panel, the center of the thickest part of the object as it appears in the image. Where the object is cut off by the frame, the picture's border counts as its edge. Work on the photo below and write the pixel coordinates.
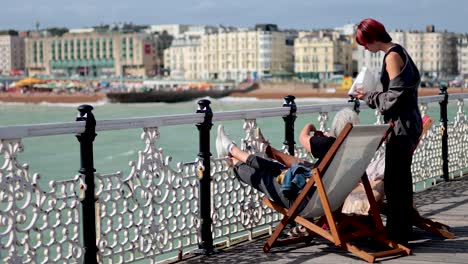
(250, 143)
(378, 118)
(37, 226)
(237, 207)
(427, 159)
(322, 119)
(458, 142)
(153, 212)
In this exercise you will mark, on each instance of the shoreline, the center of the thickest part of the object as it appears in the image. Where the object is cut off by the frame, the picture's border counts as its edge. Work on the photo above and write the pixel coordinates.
(36, 98)
(277, 93)
(260, 93)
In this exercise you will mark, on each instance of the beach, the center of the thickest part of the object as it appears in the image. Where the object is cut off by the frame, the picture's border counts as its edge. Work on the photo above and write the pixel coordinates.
(268, 92)
(50, 97)
(272, 92)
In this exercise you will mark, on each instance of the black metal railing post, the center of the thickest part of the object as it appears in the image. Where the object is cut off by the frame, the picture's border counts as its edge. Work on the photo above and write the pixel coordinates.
(289, 123)
(444, 121)
(87, 169)
(206, 245)
(357, 104)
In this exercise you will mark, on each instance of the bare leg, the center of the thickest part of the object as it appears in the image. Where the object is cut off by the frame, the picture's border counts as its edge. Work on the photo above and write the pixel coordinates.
(286, 159)
(234, 161)
(283, 158)
(239, 154)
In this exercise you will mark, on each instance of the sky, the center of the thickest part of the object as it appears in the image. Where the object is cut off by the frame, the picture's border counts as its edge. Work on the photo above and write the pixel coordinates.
(451, 15)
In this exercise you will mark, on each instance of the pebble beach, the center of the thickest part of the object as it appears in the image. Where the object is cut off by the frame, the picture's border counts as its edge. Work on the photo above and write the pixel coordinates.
(261, 93)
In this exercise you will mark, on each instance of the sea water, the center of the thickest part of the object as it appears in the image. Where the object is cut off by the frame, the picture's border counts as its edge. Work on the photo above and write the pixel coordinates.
(57, 157)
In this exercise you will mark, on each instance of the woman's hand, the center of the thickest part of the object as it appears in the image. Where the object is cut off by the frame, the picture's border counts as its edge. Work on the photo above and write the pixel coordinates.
(359, 93)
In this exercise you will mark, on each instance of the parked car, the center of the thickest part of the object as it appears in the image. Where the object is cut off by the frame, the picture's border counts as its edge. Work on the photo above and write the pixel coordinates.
(430, 83)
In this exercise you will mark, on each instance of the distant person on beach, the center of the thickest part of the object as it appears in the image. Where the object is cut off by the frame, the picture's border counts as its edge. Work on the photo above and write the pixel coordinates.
(398, 103)
(281, 176)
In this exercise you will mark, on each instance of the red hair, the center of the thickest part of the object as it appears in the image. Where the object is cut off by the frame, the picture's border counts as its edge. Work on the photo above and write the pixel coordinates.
(370, 30)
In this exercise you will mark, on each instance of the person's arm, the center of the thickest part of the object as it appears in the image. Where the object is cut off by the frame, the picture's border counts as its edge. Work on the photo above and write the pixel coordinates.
(304, 137)
(385, 101)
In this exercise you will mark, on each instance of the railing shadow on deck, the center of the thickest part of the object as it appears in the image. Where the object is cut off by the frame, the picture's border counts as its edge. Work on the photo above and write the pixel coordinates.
(456, 189)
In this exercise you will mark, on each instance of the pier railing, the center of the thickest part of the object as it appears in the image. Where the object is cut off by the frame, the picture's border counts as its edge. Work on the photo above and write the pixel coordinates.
(158, 212)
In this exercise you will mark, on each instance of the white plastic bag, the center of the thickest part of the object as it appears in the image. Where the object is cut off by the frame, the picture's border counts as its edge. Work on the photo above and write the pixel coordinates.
(365, 80)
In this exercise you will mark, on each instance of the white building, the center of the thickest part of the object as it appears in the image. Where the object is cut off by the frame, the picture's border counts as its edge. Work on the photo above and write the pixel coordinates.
(184, 59)
(241, 54)
(434, 53)
(200, 30)
(174, 30)
(320, 55)
(347, 29)
(231, 54)
(462, 54)
(12, 55)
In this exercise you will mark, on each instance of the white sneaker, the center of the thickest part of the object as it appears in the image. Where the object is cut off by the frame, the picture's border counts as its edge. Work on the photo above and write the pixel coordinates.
(259, 136)
(223, 143)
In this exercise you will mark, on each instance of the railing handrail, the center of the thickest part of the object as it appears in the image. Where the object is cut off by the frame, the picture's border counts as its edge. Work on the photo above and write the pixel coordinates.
(37, 130)
(430, 99)
(457, 96)
(49, 129)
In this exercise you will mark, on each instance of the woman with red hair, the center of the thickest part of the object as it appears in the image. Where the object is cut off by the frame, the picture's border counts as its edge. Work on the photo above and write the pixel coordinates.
(398, 103)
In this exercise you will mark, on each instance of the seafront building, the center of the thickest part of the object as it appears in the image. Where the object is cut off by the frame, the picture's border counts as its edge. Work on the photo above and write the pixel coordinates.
(462, 55)
(184, 59)
(321, 55)
(12, 56)
(175, 30)
(435, 53)
(232, 54)
(190, 52)
(93, 53)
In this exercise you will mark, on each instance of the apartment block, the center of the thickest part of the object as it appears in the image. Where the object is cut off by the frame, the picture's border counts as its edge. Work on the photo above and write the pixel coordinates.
(241, 54)
(174, 30)
(184, 59)
(321, 55)
(232, 54)
(12, 55)
(93, 54)
(434, 53)
(462, 55)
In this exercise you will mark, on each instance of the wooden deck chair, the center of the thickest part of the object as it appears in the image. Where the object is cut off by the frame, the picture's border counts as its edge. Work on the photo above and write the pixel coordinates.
(335, 177)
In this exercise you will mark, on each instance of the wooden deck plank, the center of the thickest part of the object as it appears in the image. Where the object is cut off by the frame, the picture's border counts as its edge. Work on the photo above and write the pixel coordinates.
(446, 203)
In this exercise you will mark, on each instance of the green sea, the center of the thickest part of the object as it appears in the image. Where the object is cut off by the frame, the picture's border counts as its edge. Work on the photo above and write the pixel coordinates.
(57, 157)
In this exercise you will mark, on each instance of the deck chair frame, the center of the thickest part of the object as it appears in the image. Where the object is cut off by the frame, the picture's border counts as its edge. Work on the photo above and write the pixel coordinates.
(337, 233)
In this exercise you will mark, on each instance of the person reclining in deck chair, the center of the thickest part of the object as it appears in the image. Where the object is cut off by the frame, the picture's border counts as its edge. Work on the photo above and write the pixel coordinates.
(282, 177)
